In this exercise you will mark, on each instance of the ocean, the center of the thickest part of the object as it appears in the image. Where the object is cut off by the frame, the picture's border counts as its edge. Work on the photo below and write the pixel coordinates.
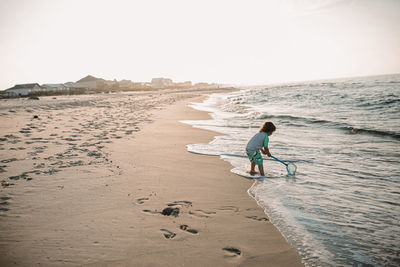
(342, 208)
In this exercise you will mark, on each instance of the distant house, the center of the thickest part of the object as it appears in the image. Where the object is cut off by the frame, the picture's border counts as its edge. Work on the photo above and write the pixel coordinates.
(161, 82)
(24, 89)
(205, 85)
(186, 84)
(141, 85)
(70, 85)
(90, 82)
(126, 84)
(3, 94)
(55, 87)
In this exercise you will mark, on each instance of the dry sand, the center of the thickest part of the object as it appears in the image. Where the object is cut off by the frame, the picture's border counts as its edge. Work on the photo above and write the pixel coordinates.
(87, 183)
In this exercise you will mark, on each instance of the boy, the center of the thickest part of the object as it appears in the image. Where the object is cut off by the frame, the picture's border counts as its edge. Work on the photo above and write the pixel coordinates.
(259, 142)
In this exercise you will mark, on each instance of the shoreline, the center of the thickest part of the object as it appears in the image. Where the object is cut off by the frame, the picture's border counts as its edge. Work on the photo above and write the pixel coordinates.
(116, 218)
(209, 208)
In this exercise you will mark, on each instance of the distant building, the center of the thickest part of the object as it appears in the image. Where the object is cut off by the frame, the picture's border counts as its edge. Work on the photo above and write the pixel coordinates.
(186, 84)
(3, 94)
(70, 85)
(206, 85)
(140, 86)
(161, 83)
(89, 82)
(202, 84)
(55, 87)
(126, 84)
(24, 89)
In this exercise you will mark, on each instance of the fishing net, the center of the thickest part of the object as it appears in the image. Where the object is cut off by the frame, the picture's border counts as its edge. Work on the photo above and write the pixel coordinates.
(291, 168)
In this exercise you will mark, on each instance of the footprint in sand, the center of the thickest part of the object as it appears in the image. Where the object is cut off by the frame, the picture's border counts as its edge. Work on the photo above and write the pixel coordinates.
(180, 203)
(17, 148)
(17, 177)
(95, 154)
(12, 139)
(26, 131)
(232, 252)
(186, 228)
(168, 234)
(251, 209)
(2, 168)
(141, 200)
(151, 211)
(200, 214)
(39, 165)
(231, 208)
(256, 218)
(4, 203)
(170, 212)
(207, 212)
(5, 184)
(8, 160)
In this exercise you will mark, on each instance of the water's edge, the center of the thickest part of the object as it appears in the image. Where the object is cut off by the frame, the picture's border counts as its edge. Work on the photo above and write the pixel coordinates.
(251, 195)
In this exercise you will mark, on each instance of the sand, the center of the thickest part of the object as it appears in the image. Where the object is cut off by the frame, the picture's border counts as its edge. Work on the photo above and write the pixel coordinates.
(106, 180)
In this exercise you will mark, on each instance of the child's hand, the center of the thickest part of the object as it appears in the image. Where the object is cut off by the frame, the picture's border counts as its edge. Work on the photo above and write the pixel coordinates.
(265, 151)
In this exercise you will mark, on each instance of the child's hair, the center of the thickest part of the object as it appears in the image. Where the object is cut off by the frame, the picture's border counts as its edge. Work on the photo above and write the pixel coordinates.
(268, 127)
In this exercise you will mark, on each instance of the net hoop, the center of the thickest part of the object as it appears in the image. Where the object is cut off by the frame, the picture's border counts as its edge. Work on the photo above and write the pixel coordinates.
(291, 169)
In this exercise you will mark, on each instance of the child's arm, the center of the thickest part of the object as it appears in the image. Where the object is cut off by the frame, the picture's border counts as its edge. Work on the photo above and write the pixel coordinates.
(265, 151)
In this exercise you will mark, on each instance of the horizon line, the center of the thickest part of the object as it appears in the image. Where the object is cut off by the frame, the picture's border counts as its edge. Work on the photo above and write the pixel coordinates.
(249, 84)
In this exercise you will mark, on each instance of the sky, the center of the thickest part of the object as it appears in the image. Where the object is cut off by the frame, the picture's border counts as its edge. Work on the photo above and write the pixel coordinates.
(222, 41)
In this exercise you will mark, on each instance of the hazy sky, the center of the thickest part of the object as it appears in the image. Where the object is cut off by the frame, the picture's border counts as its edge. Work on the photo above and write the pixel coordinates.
(241, 42)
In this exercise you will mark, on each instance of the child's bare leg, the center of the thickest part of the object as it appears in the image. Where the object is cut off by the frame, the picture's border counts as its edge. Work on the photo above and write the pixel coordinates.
(261, 169)
(252, 171)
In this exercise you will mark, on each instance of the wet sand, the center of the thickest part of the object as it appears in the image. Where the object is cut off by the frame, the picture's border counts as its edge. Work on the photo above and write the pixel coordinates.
(106, 180)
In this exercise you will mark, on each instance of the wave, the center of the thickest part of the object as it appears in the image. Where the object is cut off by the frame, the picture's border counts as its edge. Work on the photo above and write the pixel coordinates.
(391, 101)
(380, 104)
(350, 129)
(354, 130)
(339, 125)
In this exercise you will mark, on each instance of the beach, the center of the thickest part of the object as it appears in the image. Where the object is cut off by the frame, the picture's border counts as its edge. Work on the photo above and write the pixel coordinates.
(107, 181)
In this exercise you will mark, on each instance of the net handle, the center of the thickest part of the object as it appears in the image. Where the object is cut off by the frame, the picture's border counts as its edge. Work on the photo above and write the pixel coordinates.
(279, 160)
